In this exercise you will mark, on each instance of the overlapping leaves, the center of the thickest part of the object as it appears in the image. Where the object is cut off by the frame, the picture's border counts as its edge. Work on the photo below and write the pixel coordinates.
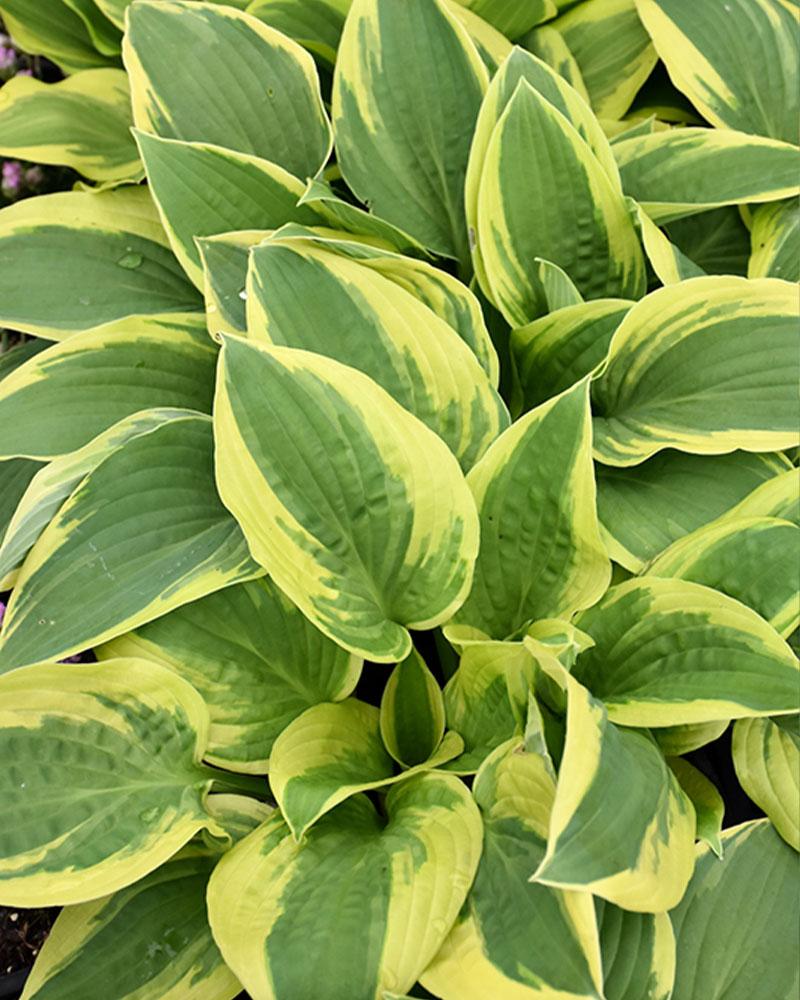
(369, 454)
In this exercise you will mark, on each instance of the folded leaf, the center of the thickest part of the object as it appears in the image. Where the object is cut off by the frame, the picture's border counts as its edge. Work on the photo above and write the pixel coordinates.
(257, 662)
(16, 475)
(330, 753)
(778, 496)
(643, 509)
(574, 217)
(412, 714)
(621, 827)
(612, 49)
(33, 509)
(303, 295)
(364, 519)
(717, 241)
(65, 396)
(677, 740)
(74, 260)
(110, 756)
(245, 65)
(708, 805)
(707, 366)
(407, 158)
(541, 555)
(203, 190)
(151, 940)
(766, 755)
(756, 560)
(82, 122)
(515, 938)
(104, 34)
(738, 64)
(775, 236)
(224, 259)
(638, 953)
(556, 351)
(522, 65)
(493, 46)
(487, 697)
(669, 652)
(735, 927)
(142, 534)
(390, 892)
(352, 219)
(688, 170)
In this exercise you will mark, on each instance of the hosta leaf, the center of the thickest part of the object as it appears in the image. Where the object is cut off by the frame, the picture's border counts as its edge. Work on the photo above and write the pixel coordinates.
(406, 156)
(556, 351)
(330, 753)
(303, 295)
(735, 927)
(522, 65)
(257, 662)
(366, 532)
(515, 938)
(766, 755)
(52, 29)
(574, 217)
(548, 44)
(342, 215)
(203, 190)
(707, 366)
(778, 496)
(620, 827)
(487, 697)
(612, 49)
(74, 260)
(102, 782)
(16, 475)
(65, 396)
(669, 263)
(104, 34)
(559, 289)
(55, 481)
(142, 534)
(756, 560)
(669, 652)
(638, 953)
(738, 64)
(513, 17)
(224, 259)
(270, 79)
(717, 241)
(82, 122)
(688, 170)
(708, 805)
(493, 47)
(412, 712)
(643, 509)
(681, 739)
(315, 24)
(541, 555)
(391, 892)
(775, 236)
(150, 941)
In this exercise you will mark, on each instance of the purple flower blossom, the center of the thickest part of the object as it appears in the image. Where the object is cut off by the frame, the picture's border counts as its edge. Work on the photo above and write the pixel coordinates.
(11, 177)
(2, 612)
(8, 57)
(24, 72)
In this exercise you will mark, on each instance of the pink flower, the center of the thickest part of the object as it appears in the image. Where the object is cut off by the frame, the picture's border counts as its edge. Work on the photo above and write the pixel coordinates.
(24, 72)
(2, 612)
(12, 177)
(8, 57)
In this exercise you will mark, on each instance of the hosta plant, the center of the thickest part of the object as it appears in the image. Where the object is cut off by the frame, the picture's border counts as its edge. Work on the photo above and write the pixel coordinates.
(408, 422)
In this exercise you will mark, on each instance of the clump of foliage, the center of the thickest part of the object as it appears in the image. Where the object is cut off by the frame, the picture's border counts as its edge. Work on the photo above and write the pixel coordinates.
(407, 425)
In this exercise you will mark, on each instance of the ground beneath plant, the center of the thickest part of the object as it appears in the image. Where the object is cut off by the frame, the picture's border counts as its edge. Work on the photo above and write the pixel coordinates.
(22, 934)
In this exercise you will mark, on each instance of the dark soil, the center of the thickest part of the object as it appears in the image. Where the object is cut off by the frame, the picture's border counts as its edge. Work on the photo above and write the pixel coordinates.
(22, 934)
